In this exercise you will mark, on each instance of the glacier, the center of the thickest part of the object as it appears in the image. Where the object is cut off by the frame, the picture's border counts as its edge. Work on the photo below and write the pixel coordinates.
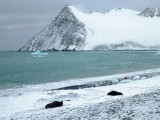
(118, 29)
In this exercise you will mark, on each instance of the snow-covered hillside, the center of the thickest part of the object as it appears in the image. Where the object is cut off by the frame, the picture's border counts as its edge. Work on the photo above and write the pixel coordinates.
(118, 29)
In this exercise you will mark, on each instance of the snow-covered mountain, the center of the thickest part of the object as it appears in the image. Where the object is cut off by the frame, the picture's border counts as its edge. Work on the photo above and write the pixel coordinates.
(63, 33)
(150, 12)
(118, 29)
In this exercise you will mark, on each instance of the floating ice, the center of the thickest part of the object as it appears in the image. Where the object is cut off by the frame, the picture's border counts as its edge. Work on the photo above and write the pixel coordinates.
(39, 53)
(144, 78)
(136, 78)
(158, 52)
(125, 81)
(113, 81)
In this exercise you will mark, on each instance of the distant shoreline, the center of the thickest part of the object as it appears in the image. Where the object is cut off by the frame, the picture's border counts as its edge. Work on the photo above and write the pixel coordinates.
(80, 50)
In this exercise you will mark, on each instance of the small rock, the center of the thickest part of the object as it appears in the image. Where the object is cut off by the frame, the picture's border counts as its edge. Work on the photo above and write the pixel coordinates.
(114, 93)
(54, 104)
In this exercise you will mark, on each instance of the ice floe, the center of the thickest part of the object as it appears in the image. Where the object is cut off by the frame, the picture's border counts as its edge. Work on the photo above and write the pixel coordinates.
(39, 53)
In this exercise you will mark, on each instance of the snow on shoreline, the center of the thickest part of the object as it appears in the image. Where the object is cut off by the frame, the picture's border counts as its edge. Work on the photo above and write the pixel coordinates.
(141, 93)
(144, 106)
(71, 82)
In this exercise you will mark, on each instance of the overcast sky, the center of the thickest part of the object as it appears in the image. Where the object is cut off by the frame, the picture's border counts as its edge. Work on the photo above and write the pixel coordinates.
(20, 20)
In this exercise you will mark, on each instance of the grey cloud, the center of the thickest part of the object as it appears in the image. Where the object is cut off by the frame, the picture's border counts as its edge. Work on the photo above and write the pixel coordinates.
(22, 19)
(31, 6)
(105, 5)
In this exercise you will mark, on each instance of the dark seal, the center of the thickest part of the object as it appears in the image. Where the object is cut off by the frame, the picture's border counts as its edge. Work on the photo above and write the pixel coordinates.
(114, 93)
(54, 104)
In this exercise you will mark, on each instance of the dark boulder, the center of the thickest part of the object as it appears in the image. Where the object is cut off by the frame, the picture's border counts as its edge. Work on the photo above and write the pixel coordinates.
(114, 93)
(54, 104)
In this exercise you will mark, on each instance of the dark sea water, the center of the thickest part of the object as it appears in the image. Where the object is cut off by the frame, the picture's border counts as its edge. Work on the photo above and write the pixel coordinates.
(22, 68)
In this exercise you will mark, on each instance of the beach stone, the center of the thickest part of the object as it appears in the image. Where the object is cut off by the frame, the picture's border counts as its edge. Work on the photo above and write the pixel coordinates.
(114, 93)
(54, 104)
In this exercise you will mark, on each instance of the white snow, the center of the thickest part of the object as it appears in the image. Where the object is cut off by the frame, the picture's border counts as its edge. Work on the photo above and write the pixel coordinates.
(28, 102)
(144, 78)
(119, 26)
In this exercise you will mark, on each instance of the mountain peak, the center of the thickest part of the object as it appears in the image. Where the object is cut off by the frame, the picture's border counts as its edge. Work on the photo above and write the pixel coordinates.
(119, 29)
(117, 9)
(150, 12)
(65, 32)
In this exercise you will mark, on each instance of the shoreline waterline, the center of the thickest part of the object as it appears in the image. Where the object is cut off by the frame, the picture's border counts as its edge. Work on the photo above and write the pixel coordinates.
(84, 81)
(22, 68)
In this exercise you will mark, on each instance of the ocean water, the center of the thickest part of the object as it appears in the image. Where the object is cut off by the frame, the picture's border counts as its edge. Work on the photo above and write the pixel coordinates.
(21, 68)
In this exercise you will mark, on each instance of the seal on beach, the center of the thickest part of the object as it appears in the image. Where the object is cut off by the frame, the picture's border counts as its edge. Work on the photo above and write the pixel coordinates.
(114, 93)
(54, 104)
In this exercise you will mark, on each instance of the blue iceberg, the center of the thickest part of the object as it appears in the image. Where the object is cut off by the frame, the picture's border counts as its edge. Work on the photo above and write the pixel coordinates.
(39, 53)
(158, 52)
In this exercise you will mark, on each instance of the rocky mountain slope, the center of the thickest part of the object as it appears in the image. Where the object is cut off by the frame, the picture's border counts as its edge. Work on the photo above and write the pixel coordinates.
(64, 33)
(150, 12)
(119, 29)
